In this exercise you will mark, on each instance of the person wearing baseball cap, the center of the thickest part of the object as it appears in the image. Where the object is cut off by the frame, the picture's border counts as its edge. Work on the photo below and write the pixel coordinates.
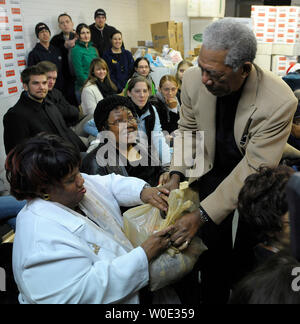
(101, 32)
(41, 27)
(44, 51)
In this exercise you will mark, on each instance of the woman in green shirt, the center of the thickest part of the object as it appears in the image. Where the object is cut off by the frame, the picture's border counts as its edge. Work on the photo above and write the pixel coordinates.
(82, 55)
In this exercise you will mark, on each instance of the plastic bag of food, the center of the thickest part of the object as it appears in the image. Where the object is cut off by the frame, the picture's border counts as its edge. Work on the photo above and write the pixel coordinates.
(141, 222)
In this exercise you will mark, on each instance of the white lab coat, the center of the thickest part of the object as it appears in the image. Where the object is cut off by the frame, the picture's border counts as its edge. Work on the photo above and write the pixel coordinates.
(60, 256)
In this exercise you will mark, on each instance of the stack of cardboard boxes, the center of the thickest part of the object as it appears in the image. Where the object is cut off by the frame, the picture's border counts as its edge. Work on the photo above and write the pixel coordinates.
(168, 33)
(277, 29)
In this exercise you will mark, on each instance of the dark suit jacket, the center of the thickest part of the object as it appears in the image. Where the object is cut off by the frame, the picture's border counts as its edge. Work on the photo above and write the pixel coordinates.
(52, 54)
(101, 40)
(28, 118)
(69, 112)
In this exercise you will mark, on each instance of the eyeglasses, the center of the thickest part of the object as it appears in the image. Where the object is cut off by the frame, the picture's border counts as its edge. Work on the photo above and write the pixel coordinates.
(131, 120)
(169, 89)
(143, 67)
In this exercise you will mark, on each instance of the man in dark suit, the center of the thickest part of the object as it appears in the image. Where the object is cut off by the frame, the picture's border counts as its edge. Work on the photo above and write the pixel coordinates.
(34, 113)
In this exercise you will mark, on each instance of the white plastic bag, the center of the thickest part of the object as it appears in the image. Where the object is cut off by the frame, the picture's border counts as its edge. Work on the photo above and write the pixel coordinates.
(141, 222)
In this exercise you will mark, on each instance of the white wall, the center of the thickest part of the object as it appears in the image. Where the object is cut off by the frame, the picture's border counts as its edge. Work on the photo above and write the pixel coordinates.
(122, 14)
(151, 12)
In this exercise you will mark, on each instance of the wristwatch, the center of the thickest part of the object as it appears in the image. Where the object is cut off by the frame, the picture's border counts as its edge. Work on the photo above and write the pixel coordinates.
(203, 215)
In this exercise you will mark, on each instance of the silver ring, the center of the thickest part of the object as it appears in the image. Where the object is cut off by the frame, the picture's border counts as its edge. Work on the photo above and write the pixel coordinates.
(159, 193)
(187, 242)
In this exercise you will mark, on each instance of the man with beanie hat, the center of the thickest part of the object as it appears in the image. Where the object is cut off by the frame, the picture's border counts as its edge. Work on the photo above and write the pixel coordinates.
(44, 51)
(101, 31)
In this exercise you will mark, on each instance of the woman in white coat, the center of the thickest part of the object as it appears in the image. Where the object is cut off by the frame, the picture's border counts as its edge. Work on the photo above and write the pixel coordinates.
(70, 247)
(97, 86)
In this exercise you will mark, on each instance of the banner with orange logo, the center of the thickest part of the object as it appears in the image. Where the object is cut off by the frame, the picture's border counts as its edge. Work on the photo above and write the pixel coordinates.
(12, 47)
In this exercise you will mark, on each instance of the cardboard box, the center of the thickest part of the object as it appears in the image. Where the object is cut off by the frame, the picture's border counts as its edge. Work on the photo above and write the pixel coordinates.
(191, 53)
(264, 49)
(264, 23)
(168, 33)
(281, 63)
(286, 49)
(179, 38)
(144, 43)
(133, 50)
(264, 61)
(164, 33)
(197, 50)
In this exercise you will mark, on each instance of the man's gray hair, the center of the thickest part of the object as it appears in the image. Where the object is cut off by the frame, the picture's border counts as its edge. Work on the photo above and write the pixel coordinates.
(238, 39)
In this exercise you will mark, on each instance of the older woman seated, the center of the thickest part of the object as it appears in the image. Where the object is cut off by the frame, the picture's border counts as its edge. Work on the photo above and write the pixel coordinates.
(119, 151)
(69, 246)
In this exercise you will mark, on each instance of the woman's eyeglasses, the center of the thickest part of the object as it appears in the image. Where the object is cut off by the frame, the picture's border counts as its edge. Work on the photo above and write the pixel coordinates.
(117, 122)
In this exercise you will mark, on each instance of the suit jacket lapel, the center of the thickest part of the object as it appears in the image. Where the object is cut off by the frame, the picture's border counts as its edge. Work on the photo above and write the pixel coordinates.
(207, 120)
(51, 111)
(246, 107)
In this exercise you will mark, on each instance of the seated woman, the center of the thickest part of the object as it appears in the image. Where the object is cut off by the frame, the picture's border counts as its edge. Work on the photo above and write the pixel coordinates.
(142, 68)
(97, 86)
(149, 125)
(119, 60)
(120, 153)
(263, 213)
(181, 68)
(167, 104)
(271, 283)
(70, 246)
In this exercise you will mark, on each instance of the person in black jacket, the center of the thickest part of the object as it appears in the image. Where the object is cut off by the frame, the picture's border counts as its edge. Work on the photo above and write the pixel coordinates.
(101, 32)
(119, 60)
(35, 113)
(69, 112)
(44, 51)
(65, 41)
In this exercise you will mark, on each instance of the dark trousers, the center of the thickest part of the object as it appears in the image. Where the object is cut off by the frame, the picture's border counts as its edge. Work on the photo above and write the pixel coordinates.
(223, 265)
(215, 263)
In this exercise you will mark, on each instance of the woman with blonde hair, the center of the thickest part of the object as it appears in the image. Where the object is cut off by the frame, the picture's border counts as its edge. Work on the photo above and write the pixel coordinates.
(97, 86)
(181, 68)
(167, 104)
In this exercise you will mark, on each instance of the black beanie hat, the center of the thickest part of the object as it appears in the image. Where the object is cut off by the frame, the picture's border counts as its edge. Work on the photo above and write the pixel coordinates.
(105, 106)
(99, 12)
(39, 27)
